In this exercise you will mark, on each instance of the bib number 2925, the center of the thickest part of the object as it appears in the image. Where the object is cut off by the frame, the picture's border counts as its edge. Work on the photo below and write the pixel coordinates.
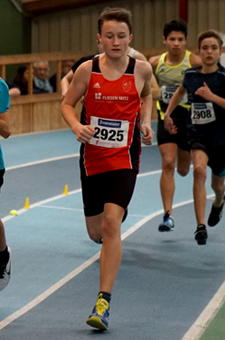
(109, 132)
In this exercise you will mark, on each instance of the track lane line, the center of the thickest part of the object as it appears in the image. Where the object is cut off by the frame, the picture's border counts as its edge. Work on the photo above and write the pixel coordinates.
(192, 334)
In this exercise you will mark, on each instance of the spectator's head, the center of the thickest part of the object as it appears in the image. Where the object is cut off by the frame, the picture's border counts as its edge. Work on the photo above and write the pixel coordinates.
(22, 75)
(41, 69)
(66, 66)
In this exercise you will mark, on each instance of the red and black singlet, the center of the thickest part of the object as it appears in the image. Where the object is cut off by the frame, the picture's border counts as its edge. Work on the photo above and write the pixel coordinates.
(113, 109)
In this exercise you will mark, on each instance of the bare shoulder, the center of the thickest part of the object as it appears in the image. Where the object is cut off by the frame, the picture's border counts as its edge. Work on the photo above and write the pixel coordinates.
(154, 61)
(84, 69)
(195, 60)
(143, 68)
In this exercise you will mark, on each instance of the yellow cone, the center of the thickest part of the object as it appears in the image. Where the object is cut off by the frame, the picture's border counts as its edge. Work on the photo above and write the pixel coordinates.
(65, 192)
(27, 205)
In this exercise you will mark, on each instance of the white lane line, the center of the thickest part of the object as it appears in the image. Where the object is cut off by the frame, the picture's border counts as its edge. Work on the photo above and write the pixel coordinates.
(48, 292)
(42, 161)
(50, 160)
(59, 208)
(198, 328)
(213, 305)
(21, 211)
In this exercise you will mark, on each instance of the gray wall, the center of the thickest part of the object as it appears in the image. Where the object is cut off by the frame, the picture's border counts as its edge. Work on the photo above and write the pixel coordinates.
(15, 33)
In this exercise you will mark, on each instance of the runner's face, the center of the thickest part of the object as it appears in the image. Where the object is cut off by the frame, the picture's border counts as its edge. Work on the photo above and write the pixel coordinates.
(175, 42)
(210, 51)
(115, 38)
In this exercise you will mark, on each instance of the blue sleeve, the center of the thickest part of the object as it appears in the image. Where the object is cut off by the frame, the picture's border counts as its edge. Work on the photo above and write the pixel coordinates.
(4, 96)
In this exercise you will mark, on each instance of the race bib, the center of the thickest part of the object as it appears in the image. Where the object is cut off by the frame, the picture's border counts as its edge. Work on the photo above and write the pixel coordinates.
(109, 133)
(202, 113)
(168, 92)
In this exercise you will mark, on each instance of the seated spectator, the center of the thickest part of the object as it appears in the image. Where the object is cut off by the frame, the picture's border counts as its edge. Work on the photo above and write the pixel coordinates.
(41, 72)
(66, 66)
(19, 86)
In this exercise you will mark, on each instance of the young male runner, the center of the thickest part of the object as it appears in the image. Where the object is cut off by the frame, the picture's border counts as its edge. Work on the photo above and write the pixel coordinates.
(206, 127)
(112, 85)
(169, 71)
(66, 80)
(5, 252)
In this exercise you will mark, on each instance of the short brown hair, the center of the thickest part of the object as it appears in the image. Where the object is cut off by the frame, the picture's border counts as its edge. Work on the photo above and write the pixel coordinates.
(210, 34)
(118, 14)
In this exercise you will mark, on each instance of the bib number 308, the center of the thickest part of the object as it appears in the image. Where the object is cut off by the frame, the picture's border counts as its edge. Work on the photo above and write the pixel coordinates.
(109, 132)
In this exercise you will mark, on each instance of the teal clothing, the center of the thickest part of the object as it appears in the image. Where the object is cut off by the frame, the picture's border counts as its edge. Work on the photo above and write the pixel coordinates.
(4, 106)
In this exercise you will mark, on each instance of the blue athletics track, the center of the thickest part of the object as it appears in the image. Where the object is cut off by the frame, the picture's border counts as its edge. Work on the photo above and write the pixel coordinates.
(168, 287)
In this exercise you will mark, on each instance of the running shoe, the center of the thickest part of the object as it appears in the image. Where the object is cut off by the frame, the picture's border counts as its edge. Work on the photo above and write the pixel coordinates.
(100, 314)
(201, 234)
(5, 272)
(167, 224)
(215, 215)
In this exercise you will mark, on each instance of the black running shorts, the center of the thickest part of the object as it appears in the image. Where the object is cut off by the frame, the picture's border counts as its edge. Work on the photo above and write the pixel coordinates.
(216, 156)
(179, 116)
(180, 138)
(108, 187)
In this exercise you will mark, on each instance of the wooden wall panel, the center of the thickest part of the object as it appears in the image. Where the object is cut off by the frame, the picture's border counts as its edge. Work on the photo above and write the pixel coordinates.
(38, 116)
(64, 33)
(193, 23)
(54, 31)
(76, 30)
(41, 116)
(148, 24)
(203, 15)
(221, 16)
(56, 120)
(20, 118)
(75, 36)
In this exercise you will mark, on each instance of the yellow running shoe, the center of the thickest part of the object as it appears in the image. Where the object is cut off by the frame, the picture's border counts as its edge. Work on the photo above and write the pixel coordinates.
(100, 314)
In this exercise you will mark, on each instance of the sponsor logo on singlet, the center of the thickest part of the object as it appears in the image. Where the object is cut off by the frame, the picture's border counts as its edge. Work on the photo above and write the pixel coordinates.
(99, 96)
(96, 86)
(126, 85)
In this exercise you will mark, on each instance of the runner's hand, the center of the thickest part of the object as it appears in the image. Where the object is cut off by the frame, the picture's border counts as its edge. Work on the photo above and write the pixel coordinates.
(84, 133)
(148, 133)
(169, 125)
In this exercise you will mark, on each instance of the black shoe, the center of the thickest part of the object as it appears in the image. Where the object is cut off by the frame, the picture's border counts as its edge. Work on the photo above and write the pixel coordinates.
(201, 234)
(5, 272)
(215, 215)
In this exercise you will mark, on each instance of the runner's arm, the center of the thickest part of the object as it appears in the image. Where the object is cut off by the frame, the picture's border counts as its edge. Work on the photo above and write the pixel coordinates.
(207, 94)
(175, 100)
(146, 110)
(65, 83)
(77, 89)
